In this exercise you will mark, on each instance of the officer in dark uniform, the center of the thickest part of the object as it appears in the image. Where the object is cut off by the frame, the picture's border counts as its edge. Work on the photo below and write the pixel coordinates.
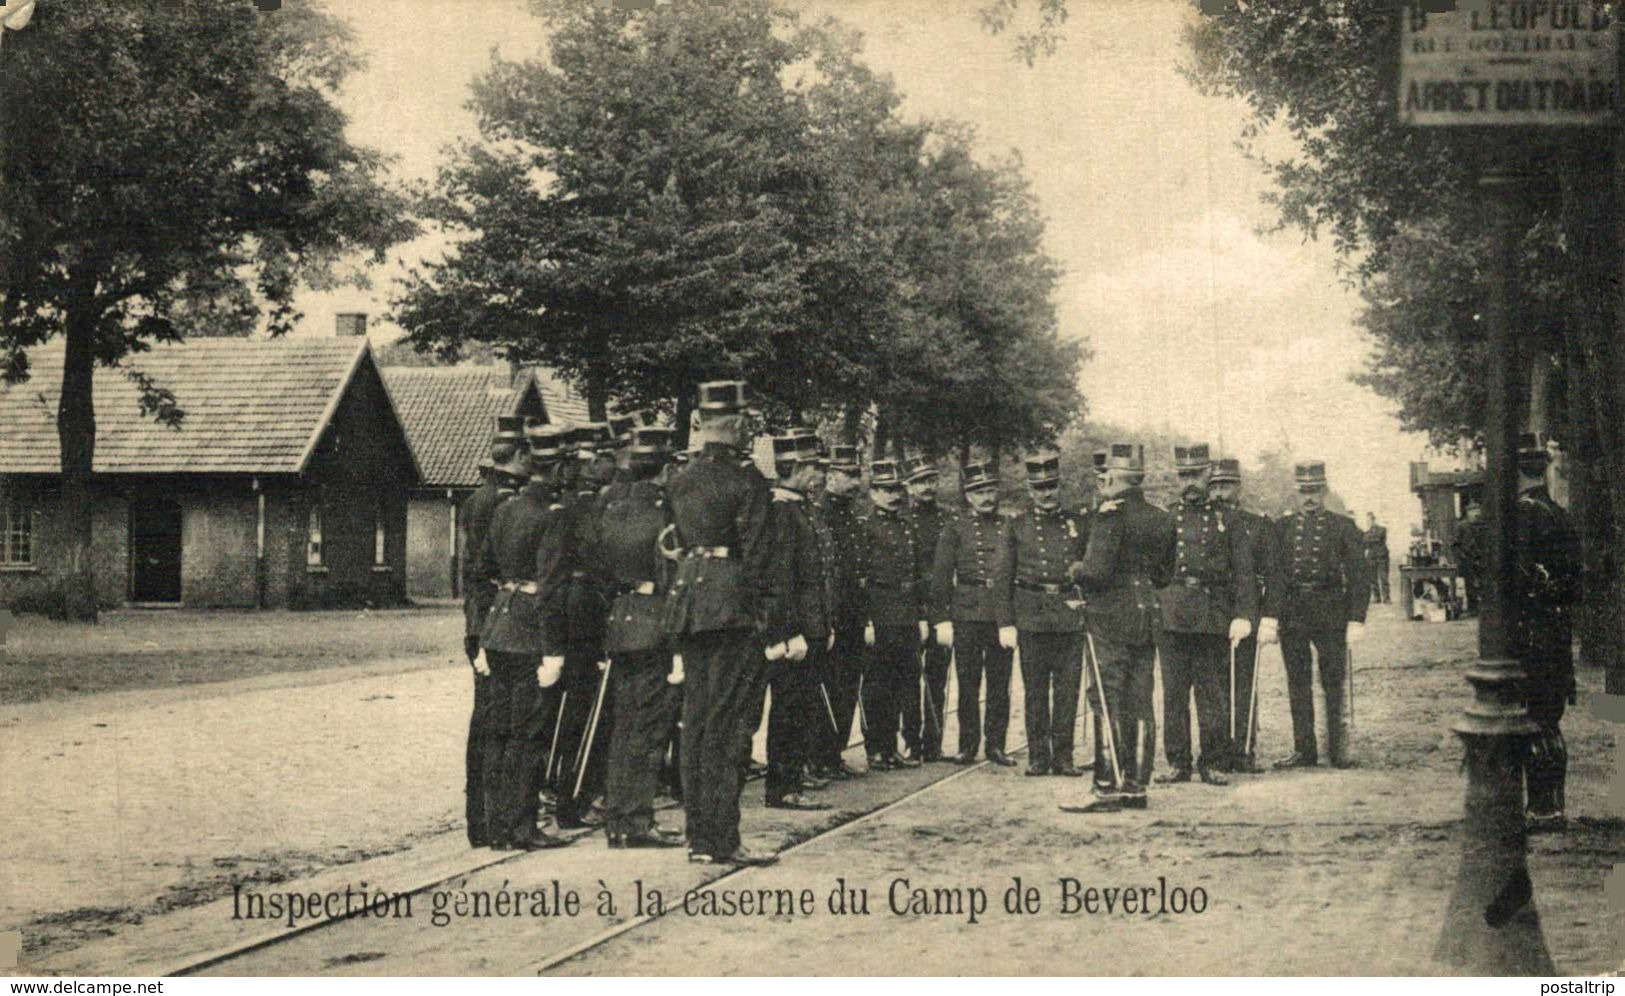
(517, 634)
(892, 570)
(966, 623)
(716, 612)
(1265, 546)
(1129, 557)
(501, 473)
(628, 518)
(1035, 604)
(922, 731)
(847, 657)
(1323, 604)
(1375, 540)
(1207, 609)
(798, 622)
(1546, 584)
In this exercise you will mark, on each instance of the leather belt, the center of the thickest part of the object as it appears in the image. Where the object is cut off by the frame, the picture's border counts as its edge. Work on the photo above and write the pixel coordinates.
(1044, 587)
(635, 588)
(714, 552)
(523, 587)
(973, 582)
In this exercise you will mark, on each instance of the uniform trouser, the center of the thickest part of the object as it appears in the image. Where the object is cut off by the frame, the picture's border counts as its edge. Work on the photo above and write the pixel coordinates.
(1330, 644)
(891, 686)
(636, 748)
(1051, 673)
(1128, 679)
(843, 675)
(520, 710)
(934, 663)
(580, 686)
(482, 739)
(792, 722)
(1546, 769)
(722, 696)
(1246, 699)
(1379, 580)
(1199, 663)
(977, 654)
(671, 774)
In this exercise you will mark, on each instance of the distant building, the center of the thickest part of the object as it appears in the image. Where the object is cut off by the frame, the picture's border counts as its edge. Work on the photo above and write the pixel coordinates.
(448, 413)
(284, 486)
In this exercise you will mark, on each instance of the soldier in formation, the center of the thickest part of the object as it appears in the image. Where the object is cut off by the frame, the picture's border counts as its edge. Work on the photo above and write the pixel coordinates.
(891, 572)
(1039, 611)
(1375, 540)
(1264, 546)
(923, 730)
(847, 657)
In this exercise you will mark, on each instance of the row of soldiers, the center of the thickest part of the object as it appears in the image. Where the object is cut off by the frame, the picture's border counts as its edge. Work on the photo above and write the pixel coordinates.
(608, 565)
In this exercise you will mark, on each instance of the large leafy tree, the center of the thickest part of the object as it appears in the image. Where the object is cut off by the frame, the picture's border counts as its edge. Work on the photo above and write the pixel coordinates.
(164, 160)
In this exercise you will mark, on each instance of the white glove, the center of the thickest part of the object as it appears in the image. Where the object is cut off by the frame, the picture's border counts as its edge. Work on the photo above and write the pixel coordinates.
(482, 667)
(1007, 637)
(945, 634)
(1110, 505)
(829, 644)
(1240, 629)
(796, 649)
(869, 634)
(548, 674)
(925, 631)
(603, 665)
(1356, 632)
(1269, 631)
(777, 652)
(675, 677)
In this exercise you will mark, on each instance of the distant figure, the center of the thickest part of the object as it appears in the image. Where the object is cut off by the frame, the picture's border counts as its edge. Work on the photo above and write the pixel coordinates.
(1468, 552)
(1376, 557)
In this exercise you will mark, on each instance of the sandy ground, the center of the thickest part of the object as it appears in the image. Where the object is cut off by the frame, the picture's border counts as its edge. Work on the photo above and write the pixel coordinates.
(1322, 871)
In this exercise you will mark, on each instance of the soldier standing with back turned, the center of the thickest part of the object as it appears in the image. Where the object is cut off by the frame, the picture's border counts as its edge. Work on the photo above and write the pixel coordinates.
(501, 473)
(716, 613)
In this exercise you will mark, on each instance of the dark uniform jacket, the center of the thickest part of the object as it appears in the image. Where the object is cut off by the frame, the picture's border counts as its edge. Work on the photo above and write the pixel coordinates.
(721, 512)
(587, 598)
(846, 531)
(962, 574)
(477, 512)
(1376, 543)
(623, 545)
(803, 581)
(1264, 541)
(928, 520)
(1546, 566)
(1129, 556)
(1324, 568)
(1213, 579)
(517, 553)
(893, 570)
(1032, 572)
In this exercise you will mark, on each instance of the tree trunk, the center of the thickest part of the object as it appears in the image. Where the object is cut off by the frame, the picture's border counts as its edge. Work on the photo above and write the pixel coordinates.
(851, 423)
(882, 428)
(597, 393)
(964, 453)
(76, 435)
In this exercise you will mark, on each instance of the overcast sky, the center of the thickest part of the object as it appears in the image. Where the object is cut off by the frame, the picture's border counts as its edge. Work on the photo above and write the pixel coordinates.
(1197, 322)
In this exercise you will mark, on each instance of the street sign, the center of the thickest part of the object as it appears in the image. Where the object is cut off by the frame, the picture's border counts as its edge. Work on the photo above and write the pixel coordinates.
(1497, 63)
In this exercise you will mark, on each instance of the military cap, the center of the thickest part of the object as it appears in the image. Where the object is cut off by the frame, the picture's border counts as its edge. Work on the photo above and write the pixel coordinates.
(978, 475)
(1044, 467)
(651, 439)
(509, 429)
(844, 456)
(789, 448)
(1193, 457)
(1310, 475)
(822, 459)
(590, 438)
(548, 442)
(884, 474)
(918, 469)
(722, 397)
(1126, 456)
(1533, 450)
(1227, 471)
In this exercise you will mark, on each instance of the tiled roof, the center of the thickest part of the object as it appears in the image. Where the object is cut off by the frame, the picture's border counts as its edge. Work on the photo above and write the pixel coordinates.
(448, 413)
(252, 407)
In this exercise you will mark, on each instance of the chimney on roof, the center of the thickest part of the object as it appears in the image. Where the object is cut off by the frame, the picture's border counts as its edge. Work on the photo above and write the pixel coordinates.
(515, 371)
(350, 323)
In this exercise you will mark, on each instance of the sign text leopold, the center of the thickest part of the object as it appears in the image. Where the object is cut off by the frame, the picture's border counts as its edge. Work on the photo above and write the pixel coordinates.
(1508, 63)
